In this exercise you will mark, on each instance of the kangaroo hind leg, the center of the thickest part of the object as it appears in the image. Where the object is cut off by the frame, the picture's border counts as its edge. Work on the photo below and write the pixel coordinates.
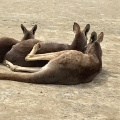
(17, 68)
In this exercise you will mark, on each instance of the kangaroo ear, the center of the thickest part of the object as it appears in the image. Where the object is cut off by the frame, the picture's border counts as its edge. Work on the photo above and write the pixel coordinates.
(24, 28)
(100, 37)
(76, 28)
(34, 29)
(86, 29)
(93, 37)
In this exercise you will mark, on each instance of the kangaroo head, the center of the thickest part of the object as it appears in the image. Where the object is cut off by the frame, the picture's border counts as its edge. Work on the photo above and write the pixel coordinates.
(28, 34)
(93, 47)
(77, 30)
(80, 39)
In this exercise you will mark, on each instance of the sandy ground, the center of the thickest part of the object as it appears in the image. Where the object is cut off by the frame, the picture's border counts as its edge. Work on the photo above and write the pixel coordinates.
(98, 100)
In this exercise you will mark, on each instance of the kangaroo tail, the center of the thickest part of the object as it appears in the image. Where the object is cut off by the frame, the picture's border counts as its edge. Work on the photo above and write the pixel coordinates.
(20, 77)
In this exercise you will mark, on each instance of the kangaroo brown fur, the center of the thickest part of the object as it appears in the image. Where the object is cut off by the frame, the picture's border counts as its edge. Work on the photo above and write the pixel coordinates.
(70, 67)
(6, 43)
(19, 51)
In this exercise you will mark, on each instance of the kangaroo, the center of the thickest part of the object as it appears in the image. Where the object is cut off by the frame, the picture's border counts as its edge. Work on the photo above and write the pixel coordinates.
(6, 43)
(19, 51)
(68, 67)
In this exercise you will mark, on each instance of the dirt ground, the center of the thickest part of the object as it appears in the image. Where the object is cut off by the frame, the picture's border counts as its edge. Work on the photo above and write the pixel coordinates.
(98, 100)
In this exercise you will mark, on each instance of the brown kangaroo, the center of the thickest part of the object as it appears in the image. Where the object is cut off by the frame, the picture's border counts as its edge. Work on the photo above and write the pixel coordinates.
(6, 43)
(68, 67)
(19, 51)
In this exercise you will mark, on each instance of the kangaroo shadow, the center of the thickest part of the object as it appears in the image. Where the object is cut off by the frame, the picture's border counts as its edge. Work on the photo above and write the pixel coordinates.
(102, 77)
(99, 80)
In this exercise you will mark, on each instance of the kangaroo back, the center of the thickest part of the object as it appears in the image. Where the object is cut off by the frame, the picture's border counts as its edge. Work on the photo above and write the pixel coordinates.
(19, 51)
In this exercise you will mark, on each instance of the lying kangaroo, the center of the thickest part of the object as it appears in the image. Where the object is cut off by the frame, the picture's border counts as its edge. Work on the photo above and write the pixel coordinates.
(6, 43)
(67, 67)
(19, 51)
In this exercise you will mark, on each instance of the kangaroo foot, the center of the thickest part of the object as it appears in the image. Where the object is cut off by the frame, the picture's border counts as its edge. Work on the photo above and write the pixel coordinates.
(36, 47)
(10, 65)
